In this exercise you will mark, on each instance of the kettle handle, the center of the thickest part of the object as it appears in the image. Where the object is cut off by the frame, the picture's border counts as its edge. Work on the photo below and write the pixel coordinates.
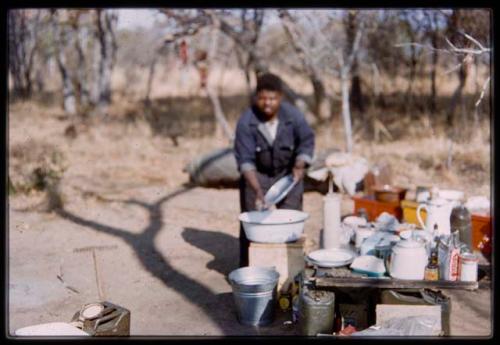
(419, 208)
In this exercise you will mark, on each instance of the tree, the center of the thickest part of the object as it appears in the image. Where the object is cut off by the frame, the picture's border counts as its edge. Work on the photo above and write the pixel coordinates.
(465, 30)
(351, 22)
(60, 41)
(84, 47)
(23, 41)
(243, 30)
(310, 64)
(105, 22)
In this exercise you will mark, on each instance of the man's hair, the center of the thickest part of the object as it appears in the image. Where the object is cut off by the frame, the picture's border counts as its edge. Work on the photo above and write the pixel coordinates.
(270, 82)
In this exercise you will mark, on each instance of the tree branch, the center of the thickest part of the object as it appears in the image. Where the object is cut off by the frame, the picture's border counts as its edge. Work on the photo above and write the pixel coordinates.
(485, 85)
(355, 46)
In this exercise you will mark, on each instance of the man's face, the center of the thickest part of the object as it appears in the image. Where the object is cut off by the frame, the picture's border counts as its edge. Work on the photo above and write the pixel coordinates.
(268, 102)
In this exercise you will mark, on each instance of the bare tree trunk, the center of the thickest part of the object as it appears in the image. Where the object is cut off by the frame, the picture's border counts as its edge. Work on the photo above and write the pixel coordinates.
(81, 73)
(409, 91)
(457, 95)
(346, 112)
(68, 90)
(356, 96)
(377, 85)
(106, 22)
(433, 81)
(211, 90)
(410, 31)
(323, 105)
(23, 45)
(151, 74)
(435, 57)
(245, 67)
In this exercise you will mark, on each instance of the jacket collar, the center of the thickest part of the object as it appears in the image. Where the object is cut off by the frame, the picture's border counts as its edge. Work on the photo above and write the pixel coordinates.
(283, 119)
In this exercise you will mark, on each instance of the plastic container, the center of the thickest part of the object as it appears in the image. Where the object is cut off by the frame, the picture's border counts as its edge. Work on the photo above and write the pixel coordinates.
(332, 228)
(255, 294)
(316, 312)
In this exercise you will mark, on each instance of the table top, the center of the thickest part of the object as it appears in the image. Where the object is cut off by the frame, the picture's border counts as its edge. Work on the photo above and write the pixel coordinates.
(342, 277)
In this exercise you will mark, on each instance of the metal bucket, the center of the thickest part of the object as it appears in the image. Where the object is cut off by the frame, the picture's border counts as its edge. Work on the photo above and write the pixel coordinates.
(254, 291)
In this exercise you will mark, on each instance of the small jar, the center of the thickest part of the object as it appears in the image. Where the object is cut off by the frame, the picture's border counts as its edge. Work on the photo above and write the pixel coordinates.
(468, 267)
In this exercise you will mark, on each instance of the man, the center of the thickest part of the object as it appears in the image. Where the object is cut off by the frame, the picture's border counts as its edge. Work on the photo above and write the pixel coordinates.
(272, 140)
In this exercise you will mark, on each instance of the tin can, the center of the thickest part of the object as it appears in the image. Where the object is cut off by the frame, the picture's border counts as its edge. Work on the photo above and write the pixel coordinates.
(285, 301)
(468, 267)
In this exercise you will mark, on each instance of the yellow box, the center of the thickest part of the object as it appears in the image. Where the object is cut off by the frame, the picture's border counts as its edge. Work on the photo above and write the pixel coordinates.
(410, 212)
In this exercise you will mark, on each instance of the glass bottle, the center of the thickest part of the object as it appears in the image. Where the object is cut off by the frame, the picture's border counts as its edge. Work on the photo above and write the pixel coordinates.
(461, 221)
(432, 269)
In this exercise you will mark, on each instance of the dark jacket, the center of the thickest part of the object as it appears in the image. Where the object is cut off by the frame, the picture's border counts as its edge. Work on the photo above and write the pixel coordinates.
(253, 147)
(254, 151)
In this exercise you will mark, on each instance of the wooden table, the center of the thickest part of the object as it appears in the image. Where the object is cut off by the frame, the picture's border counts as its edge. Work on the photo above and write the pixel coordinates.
(343, 281)
(335, 277)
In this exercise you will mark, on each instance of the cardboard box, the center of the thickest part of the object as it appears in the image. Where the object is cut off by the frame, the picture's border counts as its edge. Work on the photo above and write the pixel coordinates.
(287, 258)
(355, 315)
(374, 208)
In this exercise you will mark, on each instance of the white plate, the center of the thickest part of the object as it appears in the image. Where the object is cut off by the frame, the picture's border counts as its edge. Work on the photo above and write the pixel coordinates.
(327, 264)
(331, 257)
(279, 190)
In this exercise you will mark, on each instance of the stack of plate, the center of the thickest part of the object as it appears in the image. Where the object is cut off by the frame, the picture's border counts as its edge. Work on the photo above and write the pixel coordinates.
(335, 257)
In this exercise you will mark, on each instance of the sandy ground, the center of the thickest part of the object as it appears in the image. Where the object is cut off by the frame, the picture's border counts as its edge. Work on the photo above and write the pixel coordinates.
(166, 257)
(166, 250)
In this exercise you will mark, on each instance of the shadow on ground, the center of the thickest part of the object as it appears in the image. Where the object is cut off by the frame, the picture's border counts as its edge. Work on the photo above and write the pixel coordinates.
(223, 247)
(219, 307)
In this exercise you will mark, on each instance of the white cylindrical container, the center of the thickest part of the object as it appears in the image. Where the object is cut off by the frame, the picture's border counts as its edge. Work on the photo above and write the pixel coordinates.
(362, 233)
(468, 267)
(332, 229)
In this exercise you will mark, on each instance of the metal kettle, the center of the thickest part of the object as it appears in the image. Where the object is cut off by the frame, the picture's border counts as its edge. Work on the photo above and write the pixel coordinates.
(407, 260)
(438, 212)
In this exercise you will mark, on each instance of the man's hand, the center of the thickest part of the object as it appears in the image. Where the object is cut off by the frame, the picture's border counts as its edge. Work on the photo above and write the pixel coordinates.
(259, 200)
(251, 178)
(299, 170)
